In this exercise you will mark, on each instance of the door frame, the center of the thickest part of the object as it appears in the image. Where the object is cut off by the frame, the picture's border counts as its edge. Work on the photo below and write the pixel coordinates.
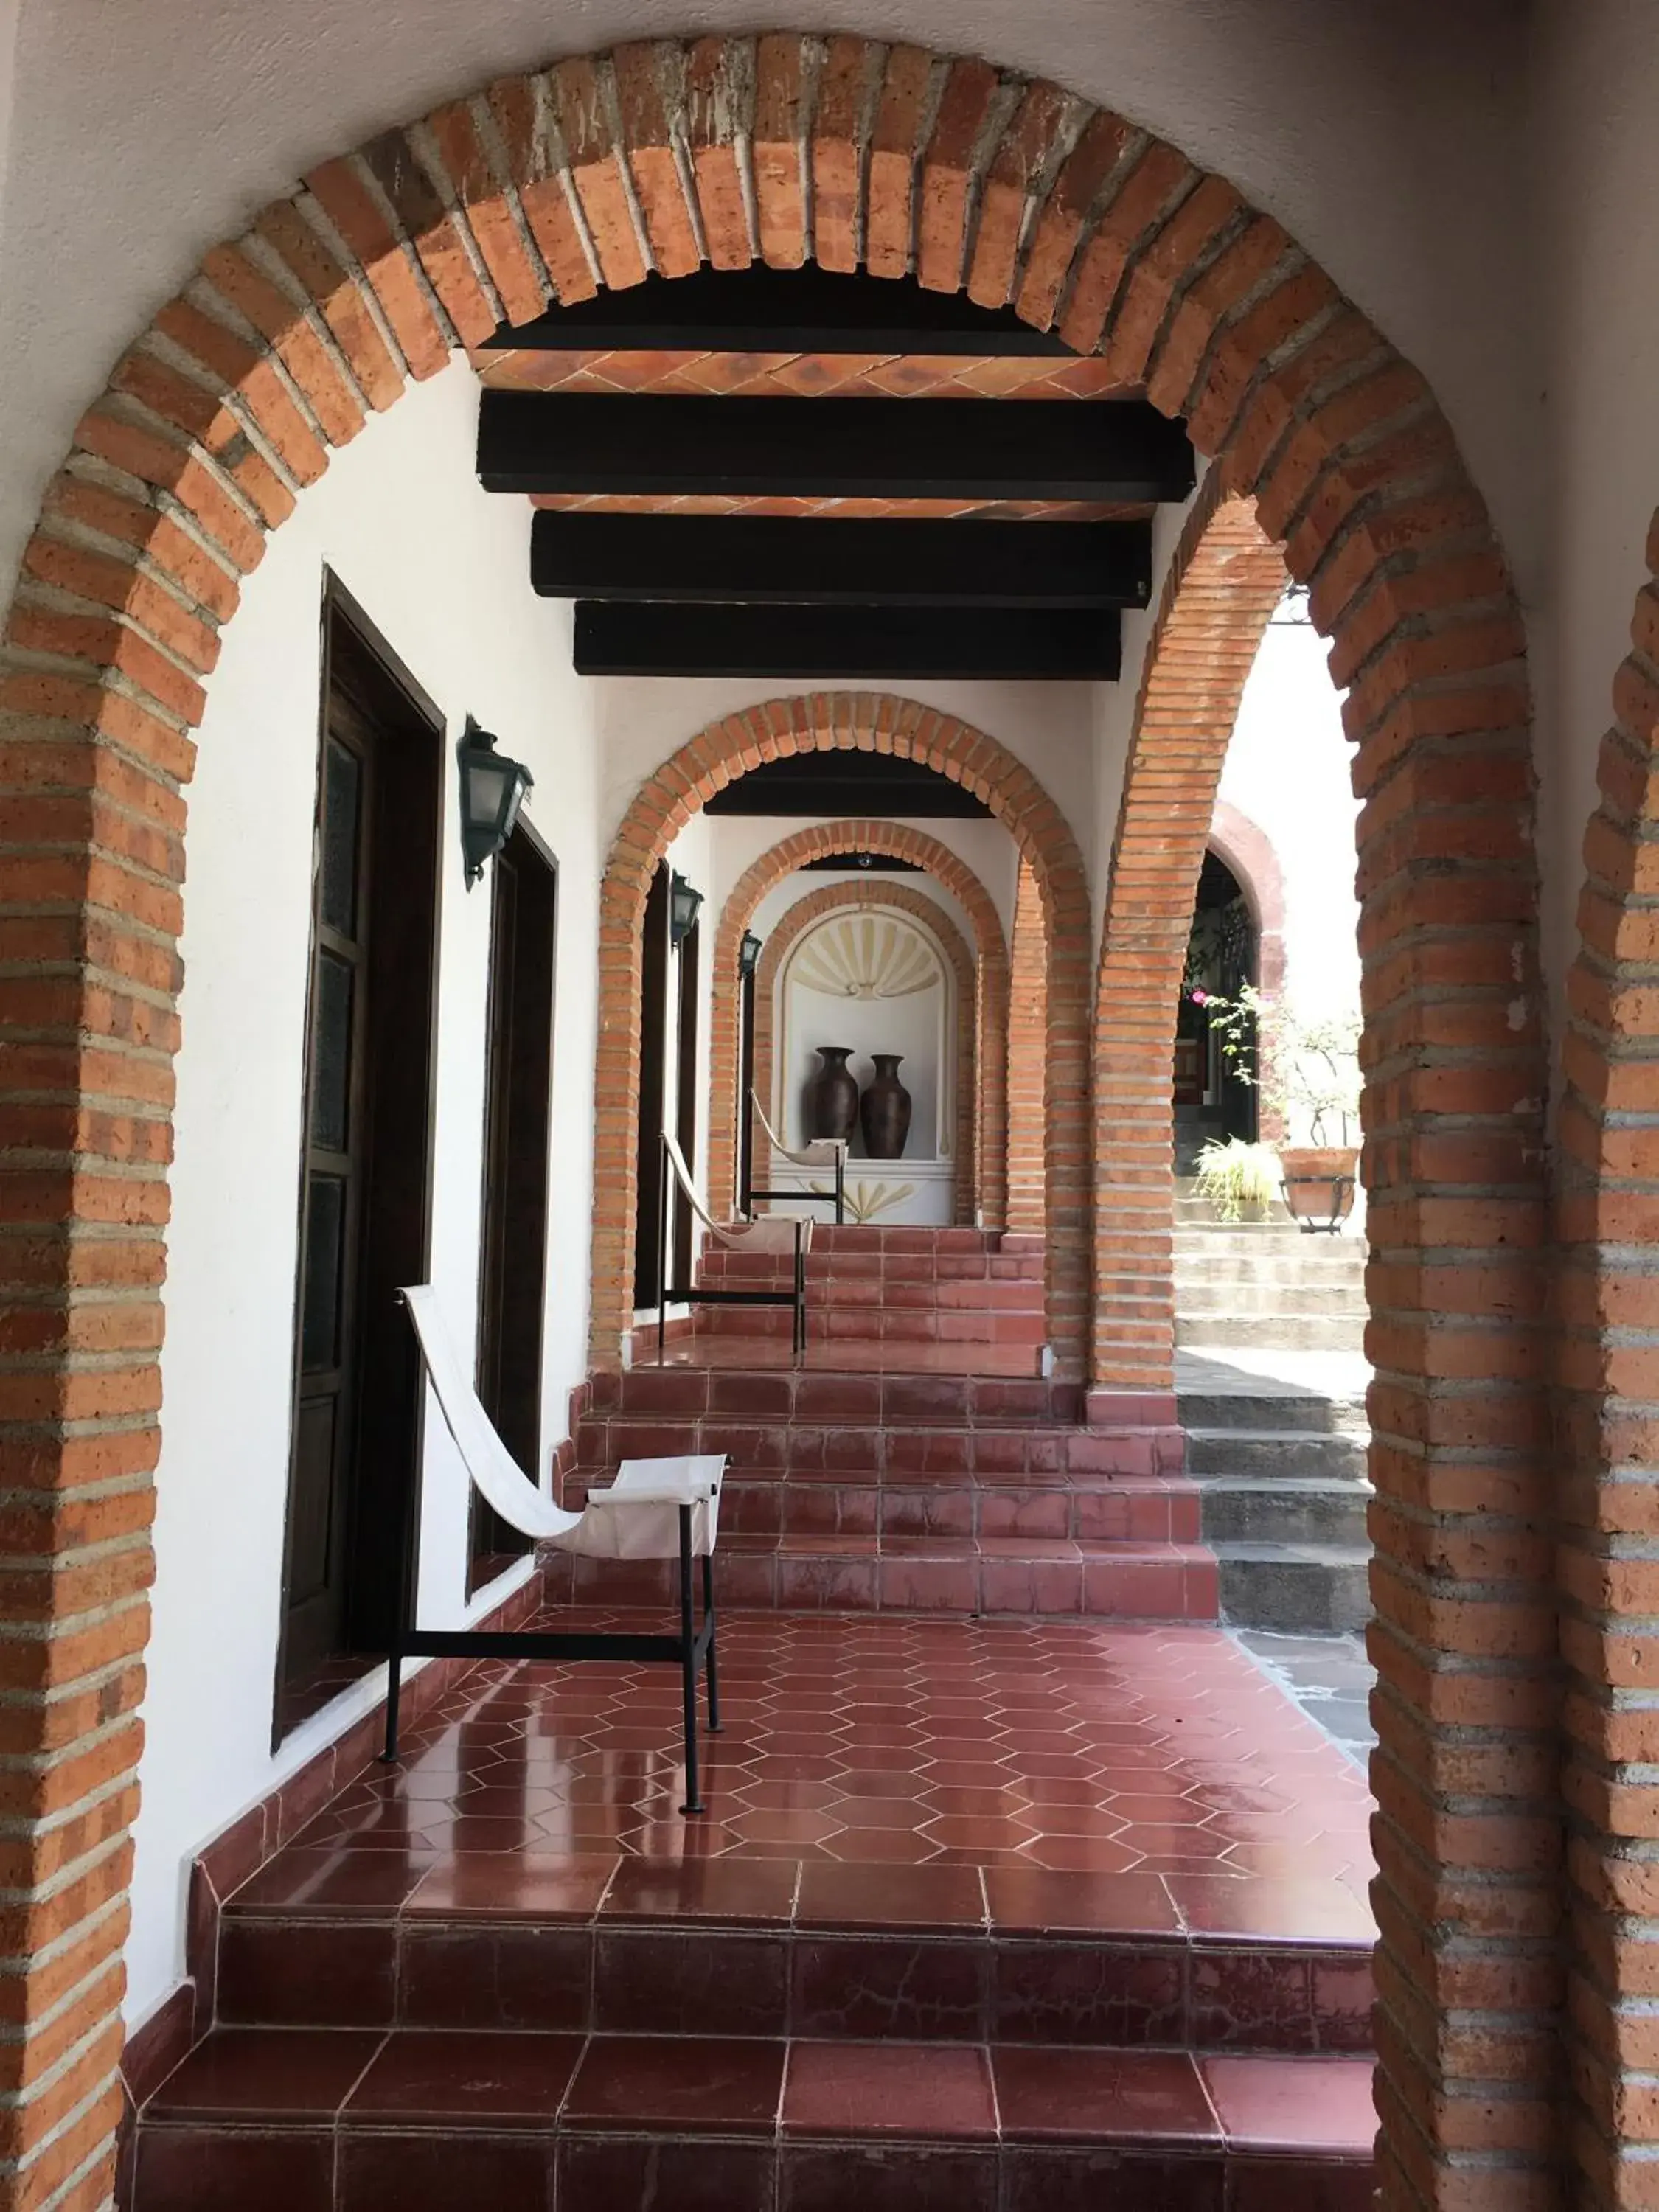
(338, 607)
(477, 1509)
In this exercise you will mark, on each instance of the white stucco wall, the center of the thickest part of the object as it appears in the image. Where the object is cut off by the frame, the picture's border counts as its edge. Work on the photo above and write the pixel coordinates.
(1287, 771)
(441, 570)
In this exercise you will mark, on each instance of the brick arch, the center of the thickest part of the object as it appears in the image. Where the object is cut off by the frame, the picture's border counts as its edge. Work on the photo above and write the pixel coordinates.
(881, 891)
(825, 722)
(1608, 1310)
(539, 187)
(893, 841)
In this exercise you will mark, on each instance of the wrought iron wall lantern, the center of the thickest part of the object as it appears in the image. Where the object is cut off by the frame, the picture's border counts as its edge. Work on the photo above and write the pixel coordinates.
(492, 792)
(749, 953)
(682, 907)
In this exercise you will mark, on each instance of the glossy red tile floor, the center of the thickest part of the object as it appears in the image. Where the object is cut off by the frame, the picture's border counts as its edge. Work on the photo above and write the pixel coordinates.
(1060, 1745)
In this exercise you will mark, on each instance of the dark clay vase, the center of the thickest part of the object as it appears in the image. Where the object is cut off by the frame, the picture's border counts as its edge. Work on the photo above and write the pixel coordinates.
(884, 1109)
(832, 1097)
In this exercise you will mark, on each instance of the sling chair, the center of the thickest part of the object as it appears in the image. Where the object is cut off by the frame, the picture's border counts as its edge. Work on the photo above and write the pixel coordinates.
(789, 1236)
(656, 1509)
(816, 1152)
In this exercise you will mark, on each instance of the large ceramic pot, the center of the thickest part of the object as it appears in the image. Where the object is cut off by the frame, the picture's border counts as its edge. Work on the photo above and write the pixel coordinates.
(1319, 1183)
(884, 1109)
(832, 1095)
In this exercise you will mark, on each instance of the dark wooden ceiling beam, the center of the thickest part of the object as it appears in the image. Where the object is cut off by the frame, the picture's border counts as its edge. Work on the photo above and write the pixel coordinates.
(641, 444)
(766, 561)
(779, 311)
(850, 644)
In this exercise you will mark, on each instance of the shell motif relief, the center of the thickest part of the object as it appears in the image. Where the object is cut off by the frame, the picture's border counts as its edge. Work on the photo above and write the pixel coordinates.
(866, 956)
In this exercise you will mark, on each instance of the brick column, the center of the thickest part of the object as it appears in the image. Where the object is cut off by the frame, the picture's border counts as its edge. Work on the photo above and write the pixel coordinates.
(1027, 1055)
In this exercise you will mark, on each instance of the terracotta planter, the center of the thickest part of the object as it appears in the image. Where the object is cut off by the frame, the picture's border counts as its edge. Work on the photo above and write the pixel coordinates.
(1319, 1182)
(832, 1098)
(884, 1109)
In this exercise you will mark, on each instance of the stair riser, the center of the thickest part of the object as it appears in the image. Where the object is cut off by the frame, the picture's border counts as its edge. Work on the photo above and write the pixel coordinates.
(812, 1398)
(1285, 1331)
(1100, 1587)
(1295, 1596)
(873, 1325)
(847, 1453)
(1290, 1515)
(229, 2169)
(1336, 1457)
(1246, 1411)
(1268, 1304)
(838, 1271)
(507, 1974)
(958, 1508)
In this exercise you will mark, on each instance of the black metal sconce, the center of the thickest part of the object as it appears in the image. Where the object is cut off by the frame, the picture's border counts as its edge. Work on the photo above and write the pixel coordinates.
(683, 906)
(492, 791)
(749, 953)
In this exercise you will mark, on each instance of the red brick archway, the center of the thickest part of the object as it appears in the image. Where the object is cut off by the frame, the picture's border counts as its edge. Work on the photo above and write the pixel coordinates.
(827, 721)
(873, 895)
(892, 840)
(1608, 1306)
(1225, 581)
(225, 407)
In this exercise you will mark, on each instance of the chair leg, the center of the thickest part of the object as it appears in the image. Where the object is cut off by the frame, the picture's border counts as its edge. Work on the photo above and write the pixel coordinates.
(712, 1661)
(689, 1667)
(394, 1682)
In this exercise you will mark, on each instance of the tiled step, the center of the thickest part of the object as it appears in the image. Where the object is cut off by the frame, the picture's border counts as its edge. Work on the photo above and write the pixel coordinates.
(840, 1270)
(963, 1576)
(914, 1502)
(818, 1398)
(884, 1324)
(772, 1947)
(350, 2121)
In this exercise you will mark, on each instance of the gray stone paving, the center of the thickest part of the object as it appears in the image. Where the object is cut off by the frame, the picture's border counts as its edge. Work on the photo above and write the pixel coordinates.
(1328, 1676)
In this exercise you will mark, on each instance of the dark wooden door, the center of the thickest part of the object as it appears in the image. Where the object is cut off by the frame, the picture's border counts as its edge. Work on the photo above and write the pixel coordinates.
(747, 986)
(653, 1037)
(512, 1284)
(685, 1102)
(364, 1212)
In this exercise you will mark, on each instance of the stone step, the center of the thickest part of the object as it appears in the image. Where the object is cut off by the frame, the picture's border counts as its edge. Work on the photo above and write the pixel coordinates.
(1191, 1234)
(1299, 1589)
(966, 1577)
(337, 2120)
(820, 1398)
(1278, 1454)
(1270, 1301)
(1264, 1410)
(1280, 1332)
(1236, 1263)
(1249, 1508)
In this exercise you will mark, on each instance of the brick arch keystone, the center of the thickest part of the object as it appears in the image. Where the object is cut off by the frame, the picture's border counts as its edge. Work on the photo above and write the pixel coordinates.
(784, 149)
(863, 897)
(893, 841)
(828, 721)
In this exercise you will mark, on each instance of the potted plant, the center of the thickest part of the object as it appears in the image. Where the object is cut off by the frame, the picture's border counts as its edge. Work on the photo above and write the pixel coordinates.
(1308, 1072)
(1234, 1175)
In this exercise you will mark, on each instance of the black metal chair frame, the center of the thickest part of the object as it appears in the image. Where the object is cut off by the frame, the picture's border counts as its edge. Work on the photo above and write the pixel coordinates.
(699, 1294)
(838, 1198)
(693, 1649)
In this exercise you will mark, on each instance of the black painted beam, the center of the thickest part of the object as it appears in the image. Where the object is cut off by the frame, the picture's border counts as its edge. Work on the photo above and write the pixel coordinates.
(642, 444)
(762, 310)
(882, 786)
(764, 560)
(1014, 644)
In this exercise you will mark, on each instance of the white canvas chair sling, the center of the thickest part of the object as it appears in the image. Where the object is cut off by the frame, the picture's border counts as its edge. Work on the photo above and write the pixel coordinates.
(790, 1235)
(655, 1508)
(817, 1152)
